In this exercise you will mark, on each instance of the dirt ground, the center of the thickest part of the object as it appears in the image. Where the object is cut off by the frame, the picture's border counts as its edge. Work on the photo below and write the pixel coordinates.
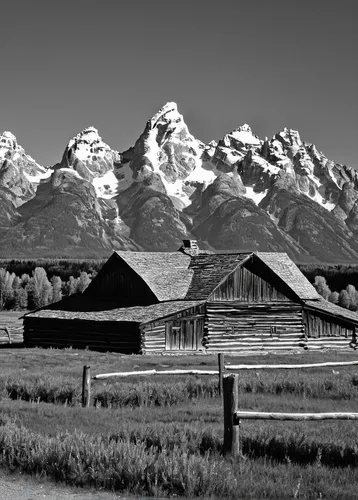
(18, 487)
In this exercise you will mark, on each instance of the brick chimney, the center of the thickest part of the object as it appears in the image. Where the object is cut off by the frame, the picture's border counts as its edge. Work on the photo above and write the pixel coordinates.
(190, 247)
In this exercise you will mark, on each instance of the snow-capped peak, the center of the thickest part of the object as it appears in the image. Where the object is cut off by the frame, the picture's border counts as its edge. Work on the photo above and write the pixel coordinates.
(8, 141)
(88, 143)
(289, 137)
(167, 113)
(244, 135)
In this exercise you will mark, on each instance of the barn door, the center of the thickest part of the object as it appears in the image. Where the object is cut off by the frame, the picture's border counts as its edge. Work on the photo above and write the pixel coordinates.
(184, 335)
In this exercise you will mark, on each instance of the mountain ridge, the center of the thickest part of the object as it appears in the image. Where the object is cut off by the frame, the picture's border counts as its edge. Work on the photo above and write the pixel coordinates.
(240, 192)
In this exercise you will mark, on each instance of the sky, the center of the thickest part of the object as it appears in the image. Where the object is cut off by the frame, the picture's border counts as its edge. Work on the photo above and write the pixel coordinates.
(69, 64)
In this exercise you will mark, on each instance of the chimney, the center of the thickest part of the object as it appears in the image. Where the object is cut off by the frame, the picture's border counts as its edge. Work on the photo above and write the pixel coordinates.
(190, 247)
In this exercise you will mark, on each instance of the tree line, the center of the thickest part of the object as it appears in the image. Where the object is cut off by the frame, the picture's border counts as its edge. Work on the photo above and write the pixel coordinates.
(347, 298)
(37, 290)
(64, 268)
(337, 276)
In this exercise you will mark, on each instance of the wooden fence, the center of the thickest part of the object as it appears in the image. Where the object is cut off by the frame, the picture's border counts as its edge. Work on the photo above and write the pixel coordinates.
(86, 377)
(9, 336)
(233, 416)
(7, 333)
(222, 368)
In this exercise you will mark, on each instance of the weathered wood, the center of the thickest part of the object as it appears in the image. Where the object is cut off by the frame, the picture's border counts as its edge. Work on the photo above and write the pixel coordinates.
(251, 284)
(221, 362)
(86, 387)
(260, 415)
(292, 367)
(7, 331)
(231, 432)
(102, 376)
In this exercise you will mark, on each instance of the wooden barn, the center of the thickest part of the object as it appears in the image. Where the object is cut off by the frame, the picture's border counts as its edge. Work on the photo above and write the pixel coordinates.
(143, 302)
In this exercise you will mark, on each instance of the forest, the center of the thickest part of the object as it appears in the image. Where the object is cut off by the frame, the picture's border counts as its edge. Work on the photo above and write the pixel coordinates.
(30, 284)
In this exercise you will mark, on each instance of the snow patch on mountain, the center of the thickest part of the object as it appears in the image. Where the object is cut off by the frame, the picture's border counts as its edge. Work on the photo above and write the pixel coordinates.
(255, 197)
(200, 174)
(36, 179)
(244, 134)
(106, 186)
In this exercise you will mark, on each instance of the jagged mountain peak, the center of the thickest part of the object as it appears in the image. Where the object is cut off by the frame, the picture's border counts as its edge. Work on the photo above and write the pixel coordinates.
(166, 114)
(8, 143)
(88, 143)
(8, 135)
(289, 137)
(240, 192)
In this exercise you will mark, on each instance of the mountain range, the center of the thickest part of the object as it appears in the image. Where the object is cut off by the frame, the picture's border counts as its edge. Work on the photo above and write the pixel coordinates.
(240, 193)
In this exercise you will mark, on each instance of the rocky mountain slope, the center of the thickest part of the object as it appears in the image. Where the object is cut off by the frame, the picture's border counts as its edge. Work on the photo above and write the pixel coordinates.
(239, 193)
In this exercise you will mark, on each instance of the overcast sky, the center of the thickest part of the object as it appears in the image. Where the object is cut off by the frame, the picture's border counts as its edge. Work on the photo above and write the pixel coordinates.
(69, 64)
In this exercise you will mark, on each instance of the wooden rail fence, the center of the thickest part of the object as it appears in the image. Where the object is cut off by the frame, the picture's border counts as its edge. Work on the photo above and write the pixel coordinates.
(233, 416)
(222, 369)
(7, 331)
(86, 377)
(10, 335)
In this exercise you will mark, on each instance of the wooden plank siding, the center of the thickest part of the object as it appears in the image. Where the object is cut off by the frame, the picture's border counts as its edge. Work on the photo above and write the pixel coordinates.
(182, 331)
(97, 335)
(251, 285)
(234, 326)
(117, 279)
(325, 331)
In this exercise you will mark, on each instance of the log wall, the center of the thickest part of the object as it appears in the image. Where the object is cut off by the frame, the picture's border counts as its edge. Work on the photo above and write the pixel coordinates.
(158, 336)
(97, 335)
(253, 327)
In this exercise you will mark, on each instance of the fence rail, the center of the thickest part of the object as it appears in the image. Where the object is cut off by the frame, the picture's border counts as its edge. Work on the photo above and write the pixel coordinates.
(290, 367)
(233, 416)
(7, 331)
(86, 377)
(102, 376)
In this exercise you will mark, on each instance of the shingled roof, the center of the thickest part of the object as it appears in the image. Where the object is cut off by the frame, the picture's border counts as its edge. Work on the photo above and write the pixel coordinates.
(136, 314)
(288, 272)
(166, 273)
(209, 270)
(326, 307)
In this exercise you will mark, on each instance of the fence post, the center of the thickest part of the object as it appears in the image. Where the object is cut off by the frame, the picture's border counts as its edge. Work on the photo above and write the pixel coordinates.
(86, 387)
(221, 361)
(231, 400)
(8, 333)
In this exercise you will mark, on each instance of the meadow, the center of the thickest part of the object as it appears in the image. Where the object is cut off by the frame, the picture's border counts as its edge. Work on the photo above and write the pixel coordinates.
(163, 436)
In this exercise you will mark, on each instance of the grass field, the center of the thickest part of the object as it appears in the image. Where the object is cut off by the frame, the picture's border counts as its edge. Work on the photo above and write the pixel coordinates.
(163, 436)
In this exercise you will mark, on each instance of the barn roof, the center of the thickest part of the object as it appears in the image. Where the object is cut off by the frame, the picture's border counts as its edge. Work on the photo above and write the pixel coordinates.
(136, 314)
(166, 273)
(209, 270)
(288, 272)
(323, 306)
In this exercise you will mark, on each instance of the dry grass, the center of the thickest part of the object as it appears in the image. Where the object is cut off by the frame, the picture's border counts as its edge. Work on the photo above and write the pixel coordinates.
(164, 438)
